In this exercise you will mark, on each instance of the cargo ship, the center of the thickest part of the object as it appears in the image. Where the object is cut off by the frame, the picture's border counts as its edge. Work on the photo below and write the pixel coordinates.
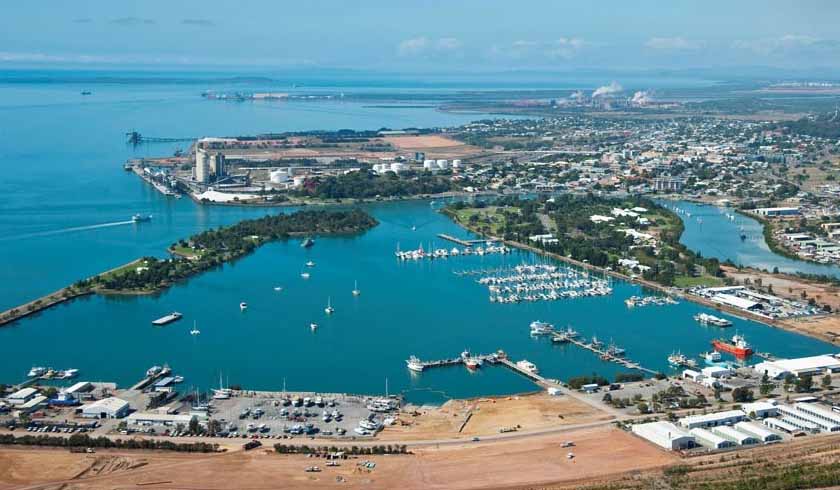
(737, 347)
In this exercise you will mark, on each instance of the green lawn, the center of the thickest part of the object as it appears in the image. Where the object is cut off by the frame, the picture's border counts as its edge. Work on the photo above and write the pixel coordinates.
(185, 251)
(690, 282)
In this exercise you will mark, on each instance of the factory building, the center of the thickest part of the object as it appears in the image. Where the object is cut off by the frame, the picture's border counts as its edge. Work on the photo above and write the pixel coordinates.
(735, 435)
(727, 417)
(759, 431)
(814, 365)
(107, 408)
(665, 434)
(708, 438)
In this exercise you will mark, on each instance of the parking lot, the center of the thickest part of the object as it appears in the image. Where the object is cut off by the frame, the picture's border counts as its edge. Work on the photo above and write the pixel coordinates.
(274, 415)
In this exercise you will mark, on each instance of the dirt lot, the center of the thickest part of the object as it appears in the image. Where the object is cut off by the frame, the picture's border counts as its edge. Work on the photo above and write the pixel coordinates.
(435, 146)
(488, 415)
(790, 287)
(533, 460)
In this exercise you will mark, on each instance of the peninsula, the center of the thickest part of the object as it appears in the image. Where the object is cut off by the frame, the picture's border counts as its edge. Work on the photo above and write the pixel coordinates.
(201, 252)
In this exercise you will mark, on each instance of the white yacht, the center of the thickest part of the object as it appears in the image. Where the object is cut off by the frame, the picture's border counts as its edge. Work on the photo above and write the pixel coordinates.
(313, 326)
(706, 319)
(243, 306)
(414, 364)
(278, 288)
(37, 371)
(310, 264)
(526, 365)
(329, 310)
(356, 290)
(304, 275)
(541, 328)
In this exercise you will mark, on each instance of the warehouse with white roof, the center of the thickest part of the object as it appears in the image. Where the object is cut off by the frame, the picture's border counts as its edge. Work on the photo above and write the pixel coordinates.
(710, 439)
(665, 434)
(759, 431)
(736, 436)
(814, 365)
(760, 409)
(727, 417)
(107, 408)
(800, 413)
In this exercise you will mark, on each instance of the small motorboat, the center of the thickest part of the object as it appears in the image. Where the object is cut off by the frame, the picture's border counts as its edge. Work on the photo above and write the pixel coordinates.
(243, 306)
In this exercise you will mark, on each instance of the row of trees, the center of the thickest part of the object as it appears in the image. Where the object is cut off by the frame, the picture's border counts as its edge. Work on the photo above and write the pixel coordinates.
(366, 184)
(84, 440)
(215, 247)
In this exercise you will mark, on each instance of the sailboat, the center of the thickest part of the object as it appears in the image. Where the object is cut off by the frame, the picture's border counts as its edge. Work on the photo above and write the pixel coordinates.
(356, 291)
(329, 309)
(195, 330)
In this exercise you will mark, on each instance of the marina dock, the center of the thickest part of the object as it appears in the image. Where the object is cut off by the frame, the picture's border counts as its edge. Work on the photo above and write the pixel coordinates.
(604, 354)
(462, 242)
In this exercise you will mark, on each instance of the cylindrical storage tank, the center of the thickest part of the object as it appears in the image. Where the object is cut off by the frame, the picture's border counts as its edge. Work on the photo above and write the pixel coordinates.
(428, 164)
(299, 180)
(456, 163)
(398, 167)
(279, 176)
(443, 164)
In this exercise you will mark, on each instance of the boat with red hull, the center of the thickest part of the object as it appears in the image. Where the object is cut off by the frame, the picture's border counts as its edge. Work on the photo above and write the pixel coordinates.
(739, 347)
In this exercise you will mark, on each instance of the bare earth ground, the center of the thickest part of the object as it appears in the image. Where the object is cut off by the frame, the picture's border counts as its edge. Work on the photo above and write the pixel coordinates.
(825, 327)
(534, 460)
(435, 145)
(529, 412)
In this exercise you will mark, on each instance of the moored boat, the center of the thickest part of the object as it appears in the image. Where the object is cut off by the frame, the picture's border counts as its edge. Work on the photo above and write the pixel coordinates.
(738, 346)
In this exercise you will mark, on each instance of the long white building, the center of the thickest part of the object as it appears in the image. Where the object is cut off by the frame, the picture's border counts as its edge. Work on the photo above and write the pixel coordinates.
(727, 417)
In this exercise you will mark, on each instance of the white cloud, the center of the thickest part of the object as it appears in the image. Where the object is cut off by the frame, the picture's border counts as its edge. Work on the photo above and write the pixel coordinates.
(448, 44)
(422, 46)
(563, 47)
(411, 47)
(769, 46)
(674, 43)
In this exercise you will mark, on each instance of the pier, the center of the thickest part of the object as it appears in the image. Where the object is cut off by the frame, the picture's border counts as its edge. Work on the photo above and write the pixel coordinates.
(135, 138)
(462, 242)
(604, 354)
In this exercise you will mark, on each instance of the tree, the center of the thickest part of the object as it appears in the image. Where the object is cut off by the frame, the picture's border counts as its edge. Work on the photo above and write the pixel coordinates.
(766, 386)
(742, 395)
(804, 383)
(194, 427)
(826, 381)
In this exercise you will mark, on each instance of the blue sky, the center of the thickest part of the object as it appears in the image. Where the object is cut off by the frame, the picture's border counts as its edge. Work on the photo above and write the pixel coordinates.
(406, 35)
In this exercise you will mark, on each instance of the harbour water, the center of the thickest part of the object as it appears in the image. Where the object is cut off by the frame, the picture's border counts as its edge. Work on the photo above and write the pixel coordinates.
(64, 197)
(709, 231)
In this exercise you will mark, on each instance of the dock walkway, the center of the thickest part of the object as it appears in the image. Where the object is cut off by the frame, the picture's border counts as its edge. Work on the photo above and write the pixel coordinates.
(462, 242)
(607, 356)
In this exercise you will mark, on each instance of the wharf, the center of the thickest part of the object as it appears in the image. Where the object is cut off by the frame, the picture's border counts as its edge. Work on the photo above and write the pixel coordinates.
(524, 372)
(606, 356)
(462, 242)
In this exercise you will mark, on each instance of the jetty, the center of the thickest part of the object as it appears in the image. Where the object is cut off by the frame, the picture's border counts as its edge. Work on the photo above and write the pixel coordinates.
(604, 354)
(465, 243)
(135, 138)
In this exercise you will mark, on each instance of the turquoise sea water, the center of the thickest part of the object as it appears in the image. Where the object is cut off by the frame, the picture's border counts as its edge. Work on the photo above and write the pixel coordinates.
(62, 199)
